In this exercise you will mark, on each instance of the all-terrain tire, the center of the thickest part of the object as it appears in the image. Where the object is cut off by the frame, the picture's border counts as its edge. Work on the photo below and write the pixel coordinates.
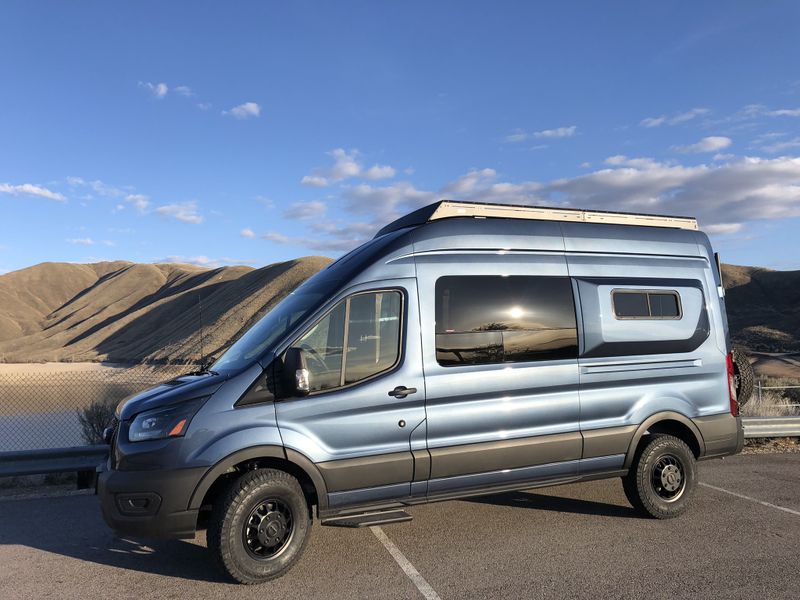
(743, 376)
(260, 527)
(662, 478)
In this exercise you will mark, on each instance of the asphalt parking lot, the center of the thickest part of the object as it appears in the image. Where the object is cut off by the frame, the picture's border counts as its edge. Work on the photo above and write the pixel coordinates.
(741, 539)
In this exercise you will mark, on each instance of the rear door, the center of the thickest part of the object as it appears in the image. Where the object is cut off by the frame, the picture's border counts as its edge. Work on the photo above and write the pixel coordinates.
(359, 436)
(500, 354)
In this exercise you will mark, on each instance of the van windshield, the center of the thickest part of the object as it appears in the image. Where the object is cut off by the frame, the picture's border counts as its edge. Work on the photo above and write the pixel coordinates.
(269, 330)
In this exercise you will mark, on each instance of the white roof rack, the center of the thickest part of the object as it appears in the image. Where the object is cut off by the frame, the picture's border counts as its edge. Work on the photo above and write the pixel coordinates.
(449, 208)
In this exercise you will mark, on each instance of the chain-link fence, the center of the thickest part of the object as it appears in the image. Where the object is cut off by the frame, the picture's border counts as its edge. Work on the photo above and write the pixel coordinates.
(59, 406)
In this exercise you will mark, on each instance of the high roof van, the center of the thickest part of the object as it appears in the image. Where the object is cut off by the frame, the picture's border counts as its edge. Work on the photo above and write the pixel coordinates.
(467, 349)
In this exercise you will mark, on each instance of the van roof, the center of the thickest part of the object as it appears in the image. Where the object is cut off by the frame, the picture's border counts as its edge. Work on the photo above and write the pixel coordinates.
(446, 209)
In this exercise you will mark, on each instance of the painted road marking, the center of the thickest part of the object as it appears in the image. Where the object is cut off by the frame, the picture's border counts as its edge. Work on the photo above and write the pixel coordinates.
(756, 500)
(418, 580)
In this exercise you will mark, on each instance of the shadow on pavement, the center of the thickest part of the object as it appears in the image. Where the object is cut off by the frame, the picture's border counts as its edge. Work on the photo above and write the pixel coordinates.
(69, 528)
(557, 504)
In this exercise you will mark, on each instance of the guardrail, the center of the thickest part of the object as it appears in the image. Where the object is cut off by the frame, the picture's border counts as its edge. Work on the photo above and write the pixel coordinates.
(82, 460)
(763, 427)
(85, 459)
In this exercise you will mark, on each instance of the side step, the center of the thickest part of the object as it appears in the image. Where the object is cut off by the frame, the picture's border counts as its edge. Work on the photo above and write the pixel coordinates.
(368, 519)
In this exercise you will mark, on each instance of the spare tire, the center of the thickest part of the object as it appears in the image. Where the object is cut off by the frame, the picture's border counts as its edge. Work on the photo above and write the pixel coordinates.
(743, 376)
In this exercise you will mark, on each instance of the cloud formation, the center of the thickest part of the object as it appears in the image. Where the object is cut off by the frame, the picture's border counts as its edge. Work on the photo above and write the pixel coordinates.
(675, 119)
(712, 143)
(157, 90)
(305, 210)
(29, 189)
(346, 165)
(725, 195)
(248, 110)
(186, 212)
(559, 132)
(140, 202)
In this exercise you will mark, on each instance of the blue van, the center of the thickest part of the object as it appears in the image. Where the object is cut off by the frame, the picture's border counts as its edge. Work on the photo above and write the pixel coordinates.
(467, 349)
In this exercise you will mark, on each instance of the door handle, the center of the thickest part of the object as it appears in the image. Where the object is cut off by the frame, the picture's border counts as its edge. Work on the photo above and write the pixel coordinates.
(402, 391)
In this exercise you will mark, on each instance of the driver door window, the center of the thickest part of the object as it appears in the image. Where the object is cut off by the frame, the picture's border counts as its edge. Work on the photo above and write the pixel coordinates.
(367, 326)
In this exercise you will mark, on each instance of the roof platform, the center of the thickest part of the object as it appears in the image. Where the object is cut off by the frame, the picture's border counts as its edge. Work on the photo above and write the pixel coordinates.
(448, 209)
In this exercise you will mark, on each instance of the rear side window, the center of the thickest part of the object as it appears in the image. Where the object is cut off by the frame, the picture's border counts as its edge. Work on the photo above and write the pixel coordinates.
(494, 319)
(646, 304)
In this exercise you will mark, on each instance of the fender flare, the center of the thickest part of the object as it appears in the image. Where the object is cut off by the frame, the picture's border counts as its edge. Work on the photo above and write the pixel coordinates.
(657, 418)
(255, 452)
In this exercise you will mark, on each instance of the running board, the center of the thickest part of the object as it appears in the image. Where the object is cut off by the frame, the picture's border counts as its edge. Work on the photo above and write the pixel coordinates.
(369, 519)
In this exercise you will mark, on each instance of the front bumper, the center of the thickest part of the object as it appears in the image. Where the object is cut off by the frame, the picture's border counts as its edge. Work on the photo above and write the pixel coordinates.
(149, 504)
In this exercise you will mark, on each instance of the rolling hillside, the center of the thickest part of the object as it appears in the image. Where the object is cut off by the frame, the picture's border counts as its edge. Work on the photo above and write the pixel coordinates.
(763, 307)
(129, 312)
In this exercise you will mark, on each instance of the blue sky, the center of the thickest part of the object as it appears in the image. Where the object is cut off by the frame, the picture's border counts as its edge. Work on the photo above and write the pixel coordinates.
(251, 132)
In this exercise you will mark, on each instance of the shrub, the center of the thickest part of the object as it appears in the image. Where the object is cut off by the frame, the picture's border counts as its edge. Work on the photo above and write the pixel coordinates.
(95, 418)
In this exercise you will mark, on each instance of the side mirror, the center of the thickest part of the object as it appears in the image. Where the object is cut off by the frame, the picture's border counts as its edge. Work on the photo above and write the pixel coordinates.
(296, 375)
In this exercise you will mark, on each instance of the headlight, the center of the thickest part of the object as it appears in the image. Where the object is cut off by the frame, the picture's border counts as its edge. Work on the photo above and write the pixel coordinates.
(160, 423)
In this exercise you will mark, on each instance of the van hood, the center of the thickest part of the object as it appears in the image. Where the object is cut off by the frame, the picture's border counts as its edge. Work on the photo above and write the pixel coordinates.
(181, 389)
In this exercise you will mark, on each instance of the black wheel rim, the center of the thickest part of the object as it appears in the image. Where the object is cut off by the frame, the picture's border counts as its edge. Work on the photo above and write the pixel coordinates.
(668, 477)
(268, 529)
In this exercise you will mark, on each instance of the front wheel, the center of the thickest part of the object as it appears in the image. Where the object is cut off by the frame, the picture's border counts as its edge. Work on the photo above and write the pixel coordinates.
(662, 478)
(260, 528)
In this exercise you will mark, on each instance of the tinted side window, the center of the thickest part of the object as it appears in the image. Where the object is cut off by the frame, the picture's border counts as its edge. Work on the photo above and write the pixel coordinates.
(494, 319)
(633, 304)
(664, 306)
(373, 335)
(323, 346)
(361, 335)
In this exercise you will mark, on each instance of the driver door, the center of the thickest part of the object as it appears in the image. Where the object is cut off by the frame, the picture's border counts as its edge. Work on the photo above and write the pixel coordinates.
(354, 424)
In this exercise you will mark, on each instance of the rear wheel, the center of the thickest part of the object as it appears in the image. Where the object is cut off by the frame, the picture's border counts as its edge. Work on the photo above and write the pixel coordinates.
(662, 478)
(260, 528)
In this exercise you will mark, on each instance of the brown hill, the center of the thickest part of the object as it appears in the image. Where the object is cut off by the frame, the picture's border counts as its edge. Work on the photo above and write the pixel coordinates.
(128, 312)
(763, 307)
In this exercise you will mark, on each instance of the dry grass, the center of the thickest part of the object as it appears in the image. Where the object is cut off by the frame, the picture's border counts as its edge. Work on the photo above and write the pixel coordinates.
(774, 402)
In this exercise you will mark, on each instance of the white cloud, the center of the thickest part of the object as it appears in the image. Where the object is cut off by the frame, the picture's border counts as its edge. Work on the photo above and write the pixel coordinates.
(185, 212)
(29, 189)
(244, 111)
(675, 119)
(379, 172)
(559, 132)
(247, 233)
(315, 180)
(158, 90)
(784, 112)
(305, 210)
(184, 90)
(204, 105)
(346, 165)
(139, 201)
(725, 196)
(723, 156)
(776, 147)
(723, 228)
(712, 143)
(98, 187)
(745, 190)
(87, 241)
(199, 261)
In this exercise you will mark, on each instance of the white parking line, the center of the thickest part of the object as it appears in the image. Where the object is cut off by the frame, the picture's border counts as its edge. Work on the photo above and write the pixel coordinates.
(418, 580)
(756, 500)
